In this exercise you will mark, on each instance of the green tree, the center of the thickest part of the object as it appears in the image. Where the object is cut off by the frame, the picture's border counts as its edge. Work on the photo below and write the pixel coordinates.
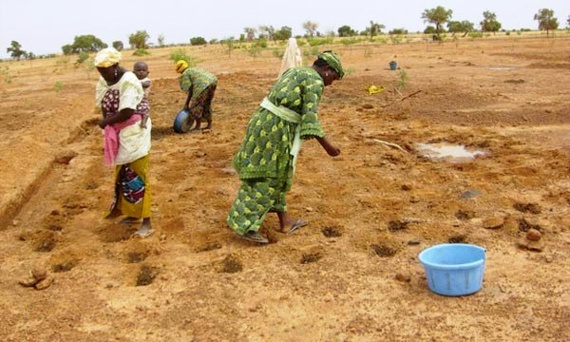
(67, 49)
(284, 33)
(346, 31)
(546, 20)
(117, 44)
(490, 22)
(198, 41)
(84, 43)
(460, 26)
(437, 16)
(398, 31)
(138, 40)
(429, 30)
(310, 28)
(375, 28)
(15, 50)
(568, 22)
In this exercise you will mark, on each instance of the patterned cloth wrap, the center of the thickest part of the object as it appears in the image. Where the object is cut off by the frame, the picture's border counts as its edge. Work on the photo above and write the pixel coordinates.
(265, 161)
(132, 185)
(125, 141)
(203, 84)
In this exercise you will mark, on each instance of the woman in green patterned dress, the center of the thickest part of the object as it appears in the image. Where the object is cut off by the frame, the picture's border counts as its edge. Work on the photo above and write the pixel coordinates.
(267, 156)
(200, 85)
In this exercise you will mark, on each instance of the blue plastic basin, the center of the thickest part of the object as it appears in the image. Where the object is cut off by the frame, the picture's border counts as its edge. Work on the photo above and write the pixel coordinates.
(454, 269)
(183, 122)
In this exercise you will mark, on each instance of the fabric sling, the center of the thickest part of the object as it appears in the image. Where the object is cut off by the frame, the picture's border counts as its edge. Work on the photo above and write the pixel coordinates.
(289, 116)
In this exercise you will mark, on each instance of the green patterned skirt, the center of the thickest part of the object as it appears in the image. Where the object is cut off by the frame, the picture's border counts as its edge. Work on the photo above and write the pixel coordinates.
(255, 198)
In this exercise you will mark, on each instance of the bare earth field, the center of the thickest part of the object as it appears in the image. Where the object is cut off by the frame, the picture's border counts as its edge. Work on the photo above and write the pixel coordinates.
(352, 274)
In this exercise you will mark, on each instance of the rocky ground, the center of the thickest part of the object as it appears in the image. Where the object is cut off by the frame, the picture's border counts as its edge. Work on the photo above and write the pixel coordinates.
(352, 274)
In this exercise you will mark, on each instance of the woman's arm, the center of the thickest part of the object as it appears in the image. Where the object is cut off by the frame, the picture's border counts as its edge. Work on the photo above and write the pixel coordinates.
(187, 103)
(332, 150)
(123, 115)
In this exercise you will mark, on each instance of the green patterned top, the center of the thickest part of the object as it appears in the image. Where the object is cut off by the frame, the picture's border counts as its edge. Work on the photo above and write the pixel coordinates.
(196, 78)
(264, 152)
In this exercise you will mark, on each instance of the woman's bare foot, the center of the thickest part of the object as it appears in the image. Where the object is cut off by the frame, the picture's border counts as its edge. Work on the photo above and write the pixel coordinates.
(288, 225)
(113, 214)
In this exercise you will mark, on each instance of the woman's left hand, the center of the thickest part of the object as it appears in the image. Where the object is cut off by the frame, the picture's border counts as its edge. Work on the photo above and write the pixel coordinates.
(102, 124)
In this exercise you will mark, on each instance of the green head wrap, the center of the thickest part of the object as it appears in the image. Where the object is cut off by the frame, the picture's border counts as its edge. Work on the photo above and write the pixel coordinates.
(333, 60)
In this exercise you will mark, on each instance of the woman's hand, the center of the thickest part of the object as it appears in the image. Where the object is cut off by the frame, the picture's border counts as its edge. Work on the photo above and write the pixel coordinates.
(332, 150)
(102, 124)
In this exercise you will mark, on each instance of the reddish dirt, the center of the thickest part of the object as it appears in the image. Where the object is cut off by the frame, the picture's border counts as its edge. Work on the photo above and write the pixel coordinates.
(351, 274)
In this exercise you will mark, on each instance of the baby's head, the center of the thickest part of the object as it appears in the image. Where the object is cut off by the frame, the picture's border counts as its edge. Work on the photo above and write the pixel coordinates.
(141, 70)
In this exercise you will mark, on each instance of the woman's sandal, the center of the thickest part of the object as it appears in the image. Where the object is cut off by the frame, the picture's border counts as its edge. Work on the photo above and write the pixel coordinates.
(296, 225)
(143, 232)
(254, 236)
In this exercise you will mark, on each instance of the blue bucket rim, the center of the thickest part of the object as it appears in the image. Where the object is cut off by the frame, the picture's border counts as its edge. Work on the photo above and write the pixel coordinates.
(451, 267)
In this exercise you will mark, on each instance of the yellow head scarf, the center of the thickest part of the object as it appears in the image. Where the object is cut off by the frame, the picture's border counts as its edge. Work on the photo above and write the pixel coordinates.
(107, 57)
(181, 65)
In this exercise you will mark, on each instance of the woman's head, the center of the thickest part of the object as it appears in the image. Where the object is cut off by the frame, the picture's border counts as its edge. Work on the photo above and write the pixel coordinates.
(181, 65)
(107, 63)
(329, 67)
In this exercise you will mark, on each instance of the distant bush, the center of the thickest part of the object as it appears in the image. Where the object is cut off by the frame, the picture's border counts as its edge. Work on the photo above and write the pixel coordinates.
(118, 45)
(180, 55)
(82, 57)
(140, 52)
(476, 34)
(319, 41)
(278, 53)
(398, 31)
(58, 87)
(198, 41)
(349, 41)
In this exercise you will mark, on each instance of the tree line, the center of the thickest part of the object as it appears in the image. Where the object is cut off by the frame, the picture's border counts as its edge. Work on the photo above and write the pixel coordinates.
(437, 18)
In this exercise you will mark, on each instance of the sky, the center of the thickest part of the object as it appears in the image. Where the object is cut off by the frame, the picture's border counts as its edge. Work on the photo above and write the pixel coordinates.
(44, 26)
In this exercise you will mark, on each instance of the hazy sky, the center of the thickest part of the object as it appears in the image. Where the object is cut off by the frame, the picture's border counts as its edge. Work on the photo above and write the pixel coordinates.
(44, 26)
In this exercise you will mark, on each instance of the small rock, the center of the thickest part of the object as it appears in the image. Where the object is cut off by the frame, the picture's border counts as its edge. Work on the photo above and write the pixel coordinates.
(404, 278)
(414, 242)
(549, 259)
(406, 187)
(230, 171)
(493, 222)
(537, 246)
(533, 235)
(39, 273)
(44, 284)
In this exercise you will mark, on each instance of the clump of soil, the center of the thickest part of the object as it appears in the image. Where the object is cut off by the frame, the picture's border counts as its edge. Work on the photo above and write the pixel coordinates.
(331, 232)
(209, 247)
(308, 258)
(231, 264)
(457, 239)
(145, 276)
(136, 257)
(396, 225)
(532, 208)
(383, 251)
